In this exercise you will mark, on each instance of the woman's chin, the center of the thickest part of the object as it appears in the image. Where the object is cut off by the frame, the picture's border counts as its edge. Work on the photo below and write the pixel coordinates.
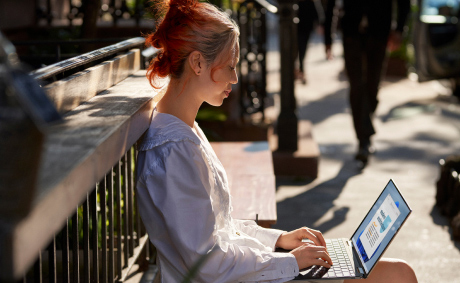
(216, 103)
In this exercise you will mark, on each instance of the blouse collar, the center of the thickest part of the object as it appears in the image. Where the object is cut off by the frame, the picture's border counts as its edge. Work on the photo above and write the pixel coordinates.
(167, 128)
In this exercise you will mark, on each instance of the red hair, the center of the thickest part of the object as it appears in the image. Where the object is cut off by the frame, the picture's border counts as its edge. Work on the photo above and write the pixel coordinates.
(190, 26)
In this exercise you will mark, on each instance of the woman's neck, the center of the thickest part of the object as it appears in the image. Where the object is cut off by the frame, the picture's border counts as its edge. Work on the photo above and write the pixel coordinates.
(180, 101)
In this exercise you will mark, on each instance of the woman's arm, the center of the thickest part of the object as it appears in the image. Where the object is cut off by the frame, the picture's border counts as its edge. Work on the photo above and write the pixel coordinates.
(306, 254)
(266, 236)
(175, 204)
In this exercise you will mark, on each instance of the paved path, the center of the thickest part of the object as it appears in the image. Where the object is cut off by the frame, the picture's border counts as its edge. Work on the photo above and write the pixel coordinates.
(416, 124)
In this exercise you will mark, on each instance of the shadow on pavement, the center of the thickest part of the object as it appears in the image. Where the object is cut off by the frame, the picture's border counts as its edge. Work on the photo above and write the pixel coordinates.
(307, 208)
(319, 110)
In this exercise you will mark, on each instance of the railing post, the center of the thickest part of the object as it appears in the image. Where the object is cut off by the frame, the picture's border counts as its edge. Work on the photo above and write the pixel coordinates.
(287, 119)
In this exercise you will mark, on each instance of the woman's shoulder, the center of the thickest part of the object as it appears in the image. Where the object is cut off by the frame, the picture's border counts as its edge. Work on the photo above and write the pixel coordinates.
(165, 128)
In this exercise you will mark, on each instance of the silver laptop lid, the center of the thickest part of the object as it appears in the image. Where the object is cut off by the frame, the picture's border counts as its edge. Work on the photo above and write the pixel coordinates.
(380, 226)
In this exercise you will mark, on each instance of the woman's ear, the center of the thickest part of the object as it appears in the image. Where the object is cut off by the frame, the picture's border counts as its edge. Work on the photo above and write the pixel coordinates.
(196, 62)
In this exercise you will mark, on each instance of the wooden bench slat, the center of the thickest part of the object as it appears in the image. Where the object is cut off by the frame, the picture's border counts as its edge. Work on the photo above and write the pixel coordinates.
(68, 93)
(77, 153)
(249, 168)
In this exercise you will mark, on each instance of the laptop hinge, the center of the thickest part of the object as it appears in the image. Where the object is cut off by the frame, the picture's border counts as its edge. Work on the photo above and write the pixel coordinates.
(358, 264)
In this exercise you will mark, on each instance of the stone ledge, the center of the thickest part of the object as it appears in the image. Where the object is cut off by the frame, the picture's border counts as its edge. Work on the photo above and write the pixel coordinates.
(301, 163)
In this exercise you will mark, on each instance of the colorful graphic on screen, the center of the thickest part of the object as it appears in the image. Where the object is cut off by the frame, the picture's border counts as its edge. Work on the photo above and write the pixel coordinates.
(380, 225)
(377, 228)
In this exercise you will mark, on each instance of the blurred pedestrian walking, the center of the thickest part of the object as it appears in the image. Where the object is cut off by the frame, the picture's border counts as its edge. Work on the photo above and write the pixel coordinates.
(367, 29)
(310, 14)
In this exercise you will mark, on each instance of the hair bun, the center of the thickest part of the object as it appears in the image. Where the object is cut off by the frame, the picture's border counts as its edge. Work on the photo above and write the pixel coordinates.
(185, 6)
(186, 26)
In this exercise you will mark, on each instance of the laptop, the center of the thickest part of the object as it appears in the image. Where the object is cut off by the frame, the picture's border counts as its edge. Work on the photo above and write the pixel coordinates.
(356, 257)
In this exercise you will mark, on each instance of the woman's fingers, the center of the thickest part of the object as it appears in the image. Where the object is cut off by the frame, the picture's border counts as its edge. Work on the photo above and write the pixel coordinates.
(319, 236)
(322, 263)
(321, 253)
(309, 254)
(315, 236)
(294, 239)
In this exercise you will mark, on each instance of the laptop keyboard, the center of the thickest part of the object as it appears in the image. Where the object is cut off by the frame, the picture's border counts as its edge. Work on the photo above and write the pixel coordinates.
(342, 266)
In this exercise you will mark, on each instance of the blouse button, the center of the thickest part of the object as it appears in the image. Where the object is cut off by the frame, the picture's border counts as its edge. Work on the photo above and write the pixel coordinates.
(238, 233)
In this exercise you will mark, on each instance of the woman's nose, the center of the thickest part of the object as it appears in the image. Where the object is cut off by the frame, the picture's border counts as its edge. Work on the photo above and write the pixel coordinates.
(234, 78)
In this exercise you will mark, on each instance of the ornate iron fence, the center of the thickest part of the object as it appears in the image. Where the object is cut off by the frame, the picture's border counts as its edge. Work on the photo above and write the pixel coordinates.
(251, 18)
(111, 10)
(250, 15)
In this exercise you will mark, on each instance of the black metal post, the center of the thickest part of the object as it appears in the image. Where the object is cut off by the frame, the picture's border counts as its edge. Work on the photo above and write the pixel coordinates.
(118, 219)
(111, 262)
(65, 253)
(126, 209)
(94, 233)
(75, 249)
(38, 274)
(132, 244)
(287, 119)
(103, 196)
(86, 238)
(52, 261)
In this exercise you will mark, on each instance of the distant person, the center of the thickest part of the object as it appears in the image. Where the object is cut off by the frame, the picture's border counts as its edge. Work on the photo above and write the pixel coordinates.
(309, 13)
(366, 29)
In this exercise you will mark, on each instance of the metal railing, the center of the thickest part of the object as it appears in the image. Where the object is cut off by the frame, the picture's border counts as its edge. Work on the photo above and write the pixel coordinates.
(58, 49)
(103, 239)
(95, 56)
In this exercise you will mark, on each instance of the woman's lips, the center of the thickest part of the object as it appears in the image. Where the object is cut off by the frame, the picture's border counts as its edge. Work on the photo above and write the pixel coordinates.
(227, 92)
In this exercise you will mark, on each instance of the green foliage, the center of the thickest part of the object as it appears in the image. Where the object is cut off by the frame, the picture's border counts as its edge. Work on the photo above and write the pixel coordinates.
(100, 225)
(211, 114)
(406, 50)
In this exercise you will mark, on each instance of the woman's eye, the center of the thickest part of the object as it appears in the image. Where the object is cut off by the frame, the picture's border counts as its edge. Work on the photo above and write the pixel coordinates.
(232, 68)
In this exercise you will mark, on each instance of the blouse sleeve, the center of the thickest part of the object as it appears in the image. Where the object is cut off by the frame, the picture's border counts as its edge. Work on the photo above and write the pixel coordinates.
(177, 192)
(266, 236)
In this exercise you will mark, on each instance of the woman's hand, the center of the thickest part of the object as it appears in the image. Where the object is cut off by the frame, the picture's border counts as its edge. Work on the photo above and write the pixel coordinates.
(306, 254)
(309, 254)
(293, 239)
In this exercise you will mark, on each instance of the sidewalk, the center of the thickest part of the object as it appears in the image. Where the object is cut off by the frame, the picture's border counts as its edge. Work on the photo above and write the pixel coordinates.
(416, 124)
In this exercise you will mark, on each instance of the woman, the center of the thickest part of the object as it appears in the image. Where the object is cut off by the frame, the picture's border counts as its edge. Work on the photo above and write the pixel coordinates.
(182, 188)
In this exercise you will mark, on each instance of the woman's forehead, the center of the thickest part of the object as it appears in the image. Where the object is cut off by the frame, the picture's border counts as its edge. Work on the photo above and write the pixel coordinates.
(229, 55)
(236, 52)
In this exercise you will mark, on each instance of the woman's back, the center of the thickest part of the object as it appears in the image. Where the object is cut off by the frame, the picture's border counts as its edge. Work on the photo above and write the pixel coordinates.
(184, 201)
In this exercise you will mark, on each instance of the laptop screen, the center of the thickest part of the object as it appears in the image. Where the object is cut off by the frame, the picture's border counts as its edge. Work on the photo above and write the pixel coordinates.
(380, 225)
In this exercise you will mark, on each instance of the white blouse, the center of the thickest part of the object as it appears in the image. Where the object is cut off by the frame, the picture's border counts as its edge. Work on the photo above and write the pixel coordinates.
(184, 202)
